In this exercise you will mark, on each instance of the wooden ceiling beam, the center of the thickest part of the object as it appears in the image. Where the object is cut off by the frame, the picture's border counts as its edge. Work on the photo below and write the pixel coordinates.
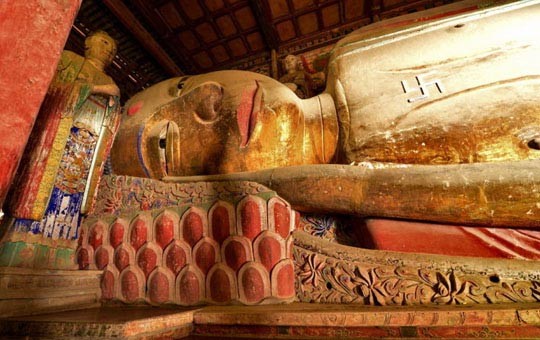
(128, 19)
(261, 13)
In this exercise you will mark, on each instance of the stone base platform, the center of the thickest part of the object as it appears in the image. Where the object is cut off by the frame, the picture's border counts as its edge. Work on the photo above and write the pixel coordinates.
(25, 291)
(102, 323)
(294, 321)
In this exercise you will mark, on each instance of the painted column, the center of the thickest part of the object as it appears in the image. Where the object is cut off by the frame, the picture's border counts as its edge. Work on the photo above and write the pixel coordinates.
(32, 37)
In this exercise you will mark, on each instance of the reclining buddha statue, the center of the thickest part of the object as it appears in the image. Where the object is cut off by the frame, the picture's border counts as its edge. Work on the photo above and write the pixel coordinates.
(429, 117)
(444, 117)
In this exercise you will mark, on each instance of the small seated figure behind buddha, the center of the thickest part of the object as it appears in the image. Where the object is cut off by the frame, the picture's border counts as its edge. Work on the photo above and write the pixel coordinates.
(295, 77)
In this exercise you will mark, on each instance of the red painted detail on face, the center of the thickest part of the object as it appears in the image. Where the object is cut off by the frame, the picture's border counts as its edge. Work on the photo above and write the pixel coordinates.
(81, 237)
(235, 255)
(158, 290)
(291, 246)
(220, 286)
(251, 220)
(297, 224)
(83, 259)
(253, 285)
(269, 252)
(138, 234)
(247, 111)
(192, 228)
(285, 281)
(102, 258)
(147, 261)
(282, 220)
(121, 259)
(133, 109)
(176, 259)
(189, 288)
(220, 224)
(205, 257)
(107, 286)
(130, 287)
(164, 230)
(116, 236)
(95, 239)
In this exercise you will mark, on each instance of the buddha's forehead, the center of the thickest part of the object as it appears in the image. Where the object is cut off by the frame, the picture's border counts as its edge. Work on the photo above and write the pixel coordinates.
(233, 84)
(230, 80)
(148, 101)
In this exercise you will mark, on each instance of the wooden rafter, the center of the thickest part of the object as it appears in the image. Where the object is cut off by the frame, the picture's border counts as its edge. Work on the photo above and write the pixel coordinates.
(126, 17)
(262, 17)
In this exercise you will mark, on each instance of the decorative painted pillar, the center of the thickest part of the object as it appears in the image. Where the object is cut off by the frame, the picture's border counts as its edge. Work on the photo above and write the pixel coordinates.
(32, 36)
(55, 183)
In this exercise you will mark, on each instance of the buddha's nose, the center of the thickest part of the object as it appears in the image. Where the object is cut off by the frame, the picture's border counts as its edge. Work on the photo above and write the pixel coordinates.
(209, 99)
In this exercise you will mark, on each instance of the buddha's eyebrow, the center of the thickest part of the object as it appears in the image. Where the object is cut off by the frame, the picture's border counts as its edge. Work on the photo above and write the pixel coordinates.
(179, 87)
(181, 82)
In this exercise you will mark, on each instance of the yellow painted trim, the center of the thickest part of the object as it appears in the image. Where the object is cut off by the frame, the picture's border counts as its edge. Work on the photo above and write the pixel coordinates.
(51, 169)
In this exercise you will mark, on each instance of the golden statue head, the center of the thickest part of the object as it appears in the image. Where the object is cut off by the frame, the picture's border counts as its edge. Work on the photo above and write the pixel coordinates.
(100, 46)
(222, 122)
(291, 63)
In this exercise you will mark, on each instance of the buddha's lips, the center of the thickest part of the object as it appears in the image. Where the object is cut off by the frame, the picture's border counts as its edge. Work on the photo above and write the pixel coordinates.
(247, 111)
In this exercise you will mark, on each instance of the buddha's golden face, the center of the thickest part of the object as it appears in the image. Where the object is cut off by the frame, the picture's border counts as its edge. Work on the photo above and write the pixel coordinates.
(99, 45)
(221, 122)
(291, 63)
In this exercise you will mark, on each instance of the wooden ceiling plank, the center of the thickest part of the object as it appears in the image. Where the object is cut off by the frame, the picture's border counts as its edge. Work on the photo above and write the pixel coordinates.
(215, 43)
(221, 36)
(374, 8)
(341, 5)
(126, 17)
(261, 10)
(152, 15)
(242, 34)
(294, 19)
(320, 18)
(319, 39)
(192, 24)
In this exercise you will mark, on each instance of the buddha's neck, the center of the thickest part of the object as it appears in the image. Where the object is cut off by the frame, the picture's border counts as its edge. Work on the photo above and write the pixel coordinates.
(99, 64)
(321, 132)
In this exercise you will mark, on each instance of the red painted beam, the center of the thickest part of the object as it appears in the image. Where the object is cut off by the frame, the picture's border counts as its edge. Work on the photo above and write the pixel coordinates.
(32, 37)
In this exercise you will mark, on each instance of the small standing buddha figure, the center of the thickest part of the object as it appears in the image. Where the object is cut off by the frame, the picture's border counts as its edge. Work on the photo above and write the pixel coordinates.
(67, 149)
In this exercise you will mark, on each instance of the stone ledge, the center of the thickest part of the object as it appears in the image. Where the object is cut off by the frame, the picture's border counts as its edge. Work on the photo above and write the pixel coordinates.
(300, 320)
(31, 291)
(297, 320)
(104, 323)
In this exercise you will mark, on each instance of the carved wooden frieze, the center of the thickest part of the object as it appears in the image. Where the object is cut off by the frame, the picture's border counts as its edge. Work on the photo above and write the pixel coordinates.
(118, 194)
(339, 278)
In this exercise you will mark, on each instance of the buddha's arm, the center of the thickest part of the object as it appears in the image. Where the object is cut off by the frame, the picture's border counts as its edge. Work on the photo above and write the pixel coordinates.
(486, 194)
(108, 89)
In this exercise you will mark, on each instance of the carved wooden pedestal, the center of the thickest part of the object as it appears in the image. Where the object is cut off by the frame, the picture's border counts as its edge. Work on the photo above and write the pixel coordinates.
(190, 244)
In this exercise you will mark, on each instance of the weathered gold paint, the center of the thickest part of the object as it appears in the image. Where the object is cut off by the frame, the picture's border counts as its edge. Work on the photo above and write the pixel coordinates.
(51, 169)
(481, 106)
(206, 138)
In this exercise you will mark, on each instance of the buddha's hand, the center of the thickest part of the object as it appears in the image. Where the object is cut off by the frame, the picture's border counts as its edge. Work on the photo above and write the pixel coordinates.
(292, 86)
(109, 89)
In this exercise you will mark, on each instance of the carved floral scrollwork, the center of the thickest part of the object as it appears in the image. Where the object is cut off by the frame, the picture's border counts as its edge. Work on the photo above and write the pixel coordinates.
(330, 280)
(123, 192)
